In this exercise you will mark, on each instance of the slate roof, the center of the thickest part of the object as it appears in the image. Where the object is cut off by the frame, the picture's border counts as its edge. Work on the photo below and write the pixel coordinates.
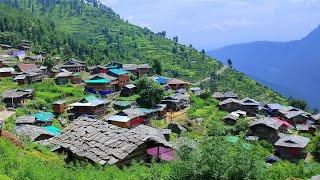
(174, 81)
(26, 120)
(63, 74)
(316, 117)
(233, 116)
(20, 77)
(274, 106)
(16, 93)
(230, 100)
(104, 143)
(133, 112)
(28, 67)
(4, 70)
(32, 131)
(132, 67)
(118, 118)
(249, 102)
(228, 94)
(292, 114)
(293, 141)
(60, 102)
(268, 121)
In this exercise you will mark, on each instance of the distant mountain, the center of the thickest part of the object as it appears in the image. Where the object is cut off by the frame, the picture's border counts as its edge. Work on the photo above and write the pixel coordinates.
(292, 68)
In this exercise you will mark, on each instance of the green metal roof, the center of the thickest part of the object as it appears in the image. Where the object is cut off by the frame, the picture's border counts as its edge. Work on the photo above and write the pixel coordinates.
(91, 98)
(44, 116)
(98, 81)
(123, 103)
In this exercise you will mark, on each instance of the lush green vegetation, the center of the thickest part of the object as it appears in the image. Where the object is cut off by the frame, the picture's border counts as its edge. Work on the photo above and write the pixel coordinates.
(98, 35)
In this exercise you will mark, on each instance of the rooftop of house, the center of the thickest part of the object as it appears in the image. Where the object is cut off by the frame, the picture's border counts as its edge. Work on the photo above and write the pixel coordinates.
(60, 102)
(292, 114)
(274, 106)
(89, 101)
(28, 67)
(26, 120)
(44, 116)
(118, 71)
(32, 131)
(130, 86)
(63, 74)
(175, 81)
(6, 70)
(316, 117)
(228, 94)
(293, 141)
(104, 143)
(132, 67)
(15, 93)
(249, 102)
(233, 116)
(268, 121)
(228, 101)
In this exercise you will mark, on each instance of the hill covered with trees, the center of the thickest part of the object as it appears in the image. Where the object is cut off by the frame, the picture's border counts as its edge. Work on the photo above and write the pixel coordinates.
(92, 32)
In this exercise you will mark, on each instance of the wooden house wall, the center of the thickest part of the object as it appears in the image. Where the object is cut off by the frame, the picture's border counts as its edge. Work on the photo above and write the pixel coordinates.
(290, 152)
(265, 132)
(59, 108)
(5, 74)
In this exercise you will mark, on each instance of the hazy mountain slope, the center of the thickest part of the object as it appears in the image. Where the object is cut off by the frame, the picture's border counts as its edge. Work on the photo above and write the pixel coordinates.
(97, 35)
(291, 68)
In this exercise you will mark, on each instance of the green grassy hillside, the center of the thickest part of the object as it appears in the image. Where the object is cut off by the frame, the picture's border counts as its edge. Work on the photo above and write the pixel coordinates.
(97, 35)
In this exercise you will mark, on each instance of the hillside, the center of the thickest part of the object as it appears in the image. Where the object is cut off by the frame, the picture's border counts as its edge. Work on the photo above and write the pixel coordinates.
(97, 35)
(291, 68)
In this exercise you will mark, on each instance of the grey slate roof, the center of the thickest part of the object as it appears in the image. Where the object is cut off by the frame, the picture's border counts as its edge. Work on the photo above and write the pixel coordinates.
(233, 116)
(104, 143)
(249, 102)
(16, 93)
(274, 106)
(268, 121)
(228, 94)
(293, 141)
(230, 100)
(131, 67)
(32, 131)
(133, 112)
(292, 114)
(316, 117)
(26, 120)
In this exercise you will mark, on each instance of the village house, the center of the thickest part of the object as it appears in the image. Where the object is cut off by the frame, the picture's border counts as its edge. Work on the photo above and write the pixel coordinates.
(73, 66)
(109, 144)
(27, 68)
(128, 90)
(99, 84)
(221, 96)
(63, 77)
(296, 117)
(196, 91)
(230, 105)
(306, 128)
(176, 102)
(59, 107)
(291, 147)
(176, 84)
(15, 98)
(273, 109)
(114, 65)
(232, 118)
(316, 118)
(121, 75)
(137, 69)
(5, 46)
(268, 128)
(250, 106)
(262, 111)
(35, 133)
(6, 72)
(127, 118)
(98, 70)
(44, 118)
(90, 106)
(24, 120)
(21, 79)
(33, 59)
(161, 80)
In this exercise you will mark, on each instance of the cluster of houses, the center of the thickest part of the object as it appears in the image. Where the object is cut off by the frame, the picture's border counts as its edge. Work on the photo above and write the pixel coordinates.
(273, 122)
(102, 129)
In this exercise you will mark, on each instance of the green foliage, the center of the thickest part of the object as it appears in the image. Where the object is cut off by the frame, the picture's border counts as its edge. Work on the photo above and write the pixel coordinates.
(314, 146)
(150, 92)
(298, 103)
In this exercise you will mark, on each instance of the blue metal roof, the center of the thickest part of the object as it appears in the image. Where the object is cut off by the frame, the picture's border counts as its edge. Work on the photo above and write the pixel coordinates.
(118, 71)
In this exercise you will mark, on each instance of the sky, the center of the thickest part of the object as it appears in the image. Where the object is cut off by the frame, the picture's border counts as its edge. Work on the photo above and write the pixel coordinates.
(210, 24)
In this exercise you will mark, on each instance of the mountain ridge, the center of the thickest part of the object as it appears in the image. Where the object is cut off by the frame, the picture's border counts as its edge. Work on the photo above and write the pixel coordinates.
(291, 64)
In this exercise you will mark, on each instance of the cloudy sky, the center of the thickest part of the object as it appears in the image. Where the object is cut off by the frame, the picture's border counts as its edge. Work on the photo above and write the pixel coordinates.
(210, 24)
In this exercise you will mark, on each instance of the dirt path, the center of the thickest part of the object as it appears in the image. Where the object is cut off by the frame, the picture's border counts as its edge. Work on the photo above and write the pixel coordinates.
(208, 78)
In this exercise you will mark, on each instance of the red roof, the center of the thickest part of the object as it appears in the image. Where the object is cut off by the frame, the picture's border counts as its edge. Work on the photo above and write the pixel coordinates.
(282, 122)
(27, 67)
